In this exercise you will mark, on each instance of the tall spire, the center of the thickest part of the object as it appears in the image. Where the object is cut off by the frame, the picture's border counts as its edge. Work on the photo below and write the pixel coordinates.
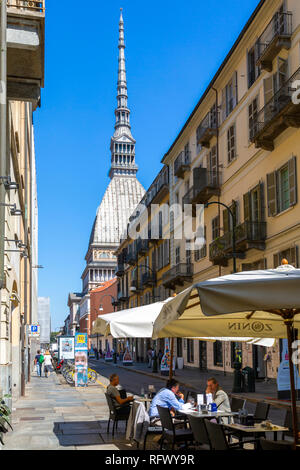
(122, 145)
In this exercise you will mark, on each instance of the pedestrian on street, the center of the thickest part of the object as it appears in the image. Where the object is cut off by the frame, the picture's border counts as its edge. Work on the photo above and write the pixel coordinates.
(149, 353)
(38, 361)
(48, 368)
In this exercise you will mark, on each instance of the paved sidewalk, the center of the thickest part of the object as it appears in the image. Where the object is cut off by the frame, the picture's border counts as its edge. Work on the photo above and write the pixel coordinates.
(56, 416)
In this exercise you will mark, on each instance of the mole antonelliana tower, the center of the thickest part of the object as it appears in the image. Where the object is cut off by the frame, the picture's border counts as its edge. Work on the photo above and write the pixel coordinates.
(123, 193)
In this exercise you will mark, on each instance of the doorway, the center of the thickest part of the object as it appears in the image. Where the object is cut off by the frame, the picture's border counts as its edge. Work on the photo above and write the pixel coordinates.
(203, 356)
(259, 365)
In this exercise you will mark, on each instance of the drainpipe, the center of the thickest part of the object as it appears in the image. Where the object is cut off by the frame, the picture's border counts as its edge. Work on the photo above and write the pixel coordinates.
(218, 163)
(3, 119)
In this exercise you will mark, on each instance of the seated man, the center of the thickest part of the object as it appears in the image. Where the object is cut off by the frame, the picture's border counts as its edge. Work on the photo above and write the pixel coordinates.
(167, 398)
(220, 397)
(114, 393)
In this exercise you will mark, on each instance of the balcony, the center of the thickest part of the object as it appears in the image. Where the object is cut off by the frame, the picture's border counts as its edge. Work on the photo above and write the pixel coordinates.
(207, 130)
(149, 279)
(25, 50)
(136, 286)
(123, 296)
(120, 270)
(182, 164)
(142, 247)
(276, 36)
(131, 258)
(248, 235)
(177, 275)
(277, 115)
(206, 184)
(162, 186)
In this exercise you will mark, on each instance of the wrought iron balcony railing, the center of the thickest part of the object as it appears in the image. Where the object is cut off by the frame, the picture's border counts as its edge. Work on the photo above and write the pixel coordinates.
(182, 163)
(149, 279)
(207, 129)
(177, 275)
(142, 247)
(279, 113)
(206, 184)
(275, 37)
(247, 235)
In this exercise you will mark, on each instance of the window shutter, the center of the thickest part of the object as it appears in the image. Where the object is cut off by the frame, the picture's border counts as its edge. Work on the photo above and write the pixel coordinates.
(247, 207)
(224, 104)
(276, 260)
(154, 260)
(293, 181)
(235, 89)
(271, 189)
(262, 201)
(268, 88)
(225, 220)
(294, 256)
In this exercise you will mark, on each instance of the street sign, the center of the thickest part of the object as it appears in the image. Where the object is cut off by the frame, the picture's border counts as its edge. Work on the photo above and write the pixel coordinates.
(34, 330)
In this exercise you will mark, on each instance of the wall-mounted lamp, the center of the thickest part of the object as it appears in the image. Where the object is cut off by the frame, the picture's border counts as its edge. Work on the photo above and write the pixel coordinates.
(8, 183)
(13, 209)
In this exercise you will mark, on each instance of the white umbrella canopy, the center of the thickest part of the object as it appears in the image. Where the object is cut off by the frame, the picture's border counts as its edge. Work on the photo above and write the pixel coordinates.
(183, 316)
(138, 323)
(130, 323)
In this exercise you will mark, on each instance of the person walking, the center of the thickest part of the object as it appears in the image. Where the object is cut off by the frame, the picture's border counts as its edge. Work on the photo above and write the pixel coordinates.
(38, 361)
(47, 364)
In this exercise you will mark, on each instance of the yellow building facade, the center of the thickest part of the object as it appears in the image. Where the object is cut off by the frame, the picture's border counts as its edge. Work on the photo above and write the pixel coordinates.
(241, 147)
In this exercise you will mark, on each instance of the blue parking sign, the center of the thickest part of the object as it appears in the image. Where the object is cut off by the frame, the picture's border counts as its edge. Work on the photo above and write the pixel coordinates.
(34, 329)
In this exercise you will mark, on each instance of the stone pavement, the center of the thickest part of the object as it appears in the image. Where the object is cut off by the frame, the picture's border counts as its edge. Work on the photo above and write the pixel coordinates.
(56, 416)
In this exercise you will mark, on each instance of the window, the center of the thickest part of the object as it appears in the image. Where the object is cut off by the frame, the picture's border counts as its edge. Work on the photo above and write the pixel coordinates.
(291, 254)
(177, 255)
(187, 153)
(231, 151)
(215, 223)
(190, 350)
(218, 353)
(259, 264)
(253, 69)
(201, 252)
(227, 219)
(282, 188)
(229, 96)
(188, 256)
(252, 114)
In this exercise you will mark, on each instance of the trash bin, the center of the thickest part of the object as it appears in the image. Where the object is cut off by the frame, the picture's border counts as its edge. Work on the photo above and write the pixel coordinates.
(248, 382)
(180, 362)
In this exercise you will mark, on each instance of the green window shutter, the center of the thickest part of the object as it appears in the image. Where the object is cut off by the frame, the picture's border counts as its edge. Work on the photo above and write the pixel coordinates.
(271, 189)
(235, 89)
(247, 207)
(225, 220)
(293, 181)
(224, 115)
(268, 89)
(294, 256)
(276, 260)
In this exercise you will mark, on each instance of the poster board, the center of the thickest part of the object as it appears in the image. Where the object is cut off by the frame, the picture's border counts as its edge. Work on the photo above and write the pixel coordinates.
(81, 360)
(66, 348)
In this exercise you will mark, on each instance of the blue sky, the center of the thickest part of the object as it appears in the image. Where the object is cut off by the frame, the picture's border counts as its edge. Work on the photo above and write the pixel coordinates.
(173, 49)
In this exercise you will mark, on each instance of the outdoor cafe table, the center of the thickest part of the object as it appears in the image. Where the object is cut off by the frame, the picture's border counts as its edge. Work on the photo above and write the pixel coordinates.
(209, 414)
(144, 400)
(256, 429)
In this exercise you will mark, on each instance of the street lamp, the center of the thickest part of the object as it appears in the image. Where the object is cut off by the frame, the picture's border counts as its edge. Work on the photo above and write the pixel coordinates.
(233, 229)
(113, 302)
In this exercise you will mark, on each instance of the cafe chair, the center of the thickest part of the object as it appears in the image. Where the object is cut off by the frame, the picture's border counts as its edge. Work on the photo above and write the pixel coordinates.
(200, 432)
(261, 412)
(116, 413)
(217, 437)
(288, 423)
(237, 404)
(169, 431)
(266, 444)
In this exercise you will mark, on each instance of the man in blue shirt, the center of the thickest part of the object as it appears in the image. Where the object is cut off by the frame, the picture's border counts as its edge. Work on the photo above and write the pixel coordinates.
(167, 398)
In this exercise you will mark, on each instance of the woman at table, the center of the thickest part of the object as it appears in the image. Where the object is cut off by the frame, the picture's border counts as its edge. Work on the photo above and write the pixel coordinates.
(168, 397)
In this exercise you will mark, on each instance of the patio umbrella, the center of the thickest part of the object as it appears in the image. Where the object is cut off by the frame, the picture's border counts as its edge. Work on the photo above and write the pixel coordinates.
(266, 302)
